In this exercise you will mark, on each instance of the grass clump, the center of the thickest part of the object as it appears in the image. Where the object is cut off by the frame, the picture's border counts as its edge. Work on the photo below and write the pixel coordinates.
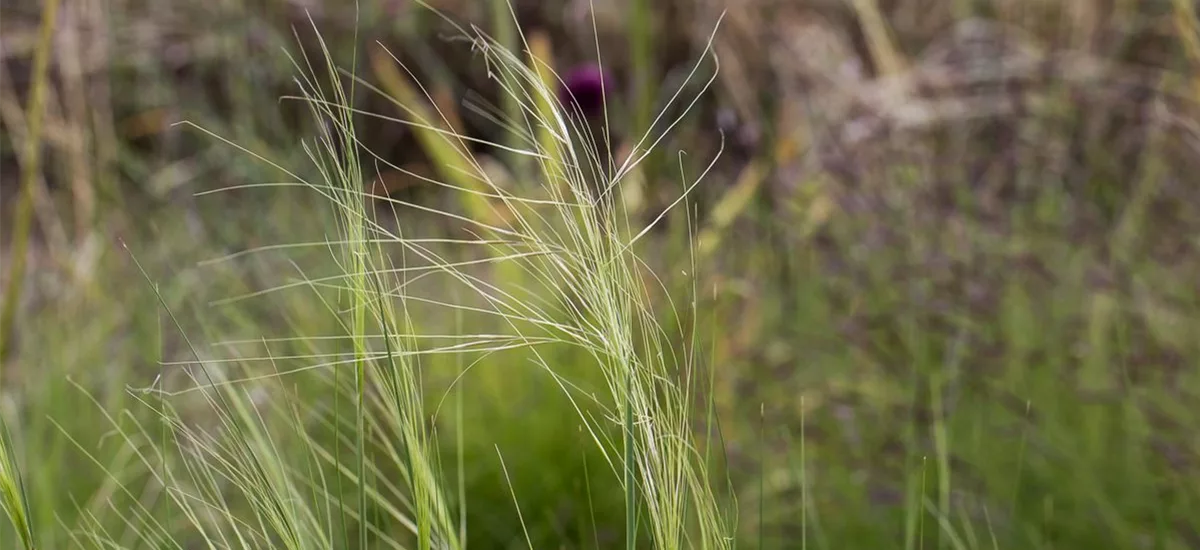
(343, 451)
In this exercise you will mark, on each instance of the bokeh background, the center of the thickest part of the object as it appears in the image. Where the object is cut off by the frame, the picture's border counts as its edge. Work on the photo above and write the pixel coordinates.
(943, 269)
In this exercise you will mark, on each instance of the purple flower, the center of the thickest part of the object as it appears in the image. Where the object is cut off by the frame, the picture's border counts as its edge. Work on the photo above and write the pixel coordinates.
(583, 88)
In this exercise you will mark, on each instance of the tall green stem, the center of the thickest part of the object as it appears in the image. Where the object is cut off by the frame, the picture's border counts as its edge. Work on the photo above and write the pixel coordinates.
(29, 174)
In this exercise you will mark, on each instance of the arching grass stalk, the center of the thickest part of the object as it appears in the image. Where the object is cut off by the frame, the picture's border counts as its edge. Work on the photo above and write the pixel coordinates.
(570, 240)
(400, 412)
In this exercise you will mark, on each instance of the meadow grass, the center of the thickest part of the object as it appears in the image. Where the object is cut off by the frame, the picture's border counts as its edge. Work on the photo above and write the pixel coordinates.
(531, 366)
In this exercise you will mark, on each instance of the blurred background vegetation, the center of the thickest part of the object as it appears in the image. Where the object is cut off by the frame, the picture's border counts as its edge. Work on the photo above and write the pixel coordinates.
(944, 272)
